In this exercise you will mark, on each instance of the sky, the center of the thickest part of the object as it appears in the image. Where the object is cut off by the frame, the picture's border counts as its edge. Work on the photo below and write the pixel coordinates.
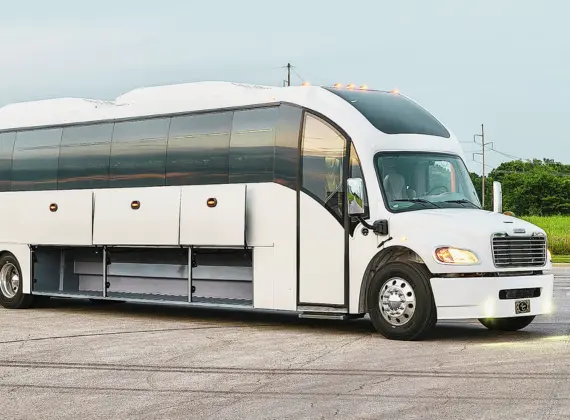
(501, 63)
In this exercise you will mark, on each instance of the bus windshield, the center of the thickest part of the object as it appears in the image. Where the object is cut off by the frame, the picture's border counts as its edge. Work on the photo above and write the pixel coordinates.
(416, 181)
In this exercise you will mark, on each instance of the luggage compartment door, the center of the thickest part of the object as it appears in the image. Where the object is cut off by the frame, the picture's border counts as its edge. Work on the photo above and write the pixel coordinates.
(137, 216)
(213, 215)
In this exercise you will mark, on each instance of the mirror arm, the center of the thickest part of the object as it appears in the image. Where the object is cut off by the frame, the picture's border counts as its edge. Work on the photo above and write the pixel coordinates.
(364, 223)
(379, 227)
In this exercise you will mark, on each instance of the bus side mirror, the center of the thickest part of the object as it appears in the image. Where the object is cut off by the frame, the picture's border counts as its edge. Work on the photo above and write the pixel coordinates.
(497, 197)
(355, 194)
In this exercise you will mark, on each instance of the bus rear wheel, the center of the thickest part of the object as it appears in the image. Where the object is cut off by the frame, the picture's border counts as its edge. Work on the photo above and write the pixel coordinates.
(507, 324)
(400, 302)
(11, 284)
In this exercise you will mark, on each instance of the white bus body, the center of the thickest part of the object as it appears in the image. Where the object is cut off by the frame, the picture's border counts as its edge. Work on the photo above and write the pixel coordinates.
(225, 194)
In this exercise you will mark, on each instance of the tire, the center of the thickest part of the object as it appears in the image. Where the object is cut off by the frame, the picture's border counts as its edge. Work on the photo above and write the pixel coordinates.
(411, 282)
(40, 301)
(507, 324)
(11, 295)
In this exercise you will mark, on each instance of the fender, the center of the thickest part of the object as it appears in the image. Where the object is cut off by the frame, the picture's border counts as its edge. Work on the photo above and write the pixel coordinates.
(390, 253)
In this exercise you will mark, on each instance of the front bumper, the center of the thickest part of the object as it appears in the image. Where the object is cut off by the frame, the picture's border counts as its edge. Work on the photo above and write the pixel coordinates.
(478, 297)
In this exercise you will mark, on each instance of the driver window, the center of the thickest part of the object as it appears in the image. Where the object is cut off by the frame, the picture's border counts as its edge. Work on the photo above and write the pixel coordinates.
(322, 162)
(441, 177)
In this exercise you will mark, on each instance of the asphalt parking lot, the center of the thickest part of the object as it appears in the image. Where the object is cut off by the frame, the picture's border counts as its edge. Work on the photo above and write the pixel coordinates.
(74, 360)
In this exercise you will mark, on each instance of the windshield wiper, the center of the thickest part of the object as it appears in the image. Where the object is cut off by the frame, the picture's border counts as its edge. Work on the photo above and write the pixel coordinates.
(417, 200)
(462, 201)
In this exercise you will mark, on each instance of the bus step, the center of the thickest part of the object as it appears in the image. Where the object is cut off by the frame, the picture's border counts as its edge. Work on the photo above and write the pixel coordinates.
(317, 315)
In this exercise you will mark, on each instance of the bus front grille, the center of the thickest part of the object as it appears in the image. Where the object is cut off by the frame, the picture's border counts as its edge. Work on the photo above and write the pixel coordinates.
(519, 251)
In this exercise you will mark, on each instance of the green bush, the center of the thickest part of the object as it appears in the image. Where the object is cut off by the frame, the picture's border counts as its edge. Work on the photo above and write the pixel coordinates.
(558, 230)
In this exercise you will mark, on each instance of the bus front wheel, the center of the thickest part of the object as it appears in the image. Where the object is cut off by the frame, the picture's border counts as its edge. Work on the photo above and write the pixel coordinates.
(400, 301)
(11, 284)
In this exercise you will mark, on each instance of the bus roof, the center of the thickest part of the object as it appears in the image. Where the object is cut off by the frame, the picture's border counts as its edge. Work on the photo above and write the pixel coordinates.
(369, 116)
(148, 101)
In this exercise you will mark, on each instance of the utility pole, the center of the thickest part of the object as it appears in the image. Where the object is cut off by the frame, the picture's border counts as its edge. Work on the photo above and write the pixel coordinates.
(290, 69)
(483, 144)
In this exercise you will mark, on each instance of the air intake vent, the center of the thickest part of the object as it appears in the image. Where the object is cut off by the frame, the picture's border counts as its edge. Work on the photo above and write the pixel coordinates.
(519, 251)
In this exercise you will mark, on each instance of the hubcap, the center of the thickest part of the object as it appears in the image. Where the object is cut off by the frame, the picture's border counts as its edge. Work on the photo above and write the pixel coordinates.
(9, 280)
(397, 301)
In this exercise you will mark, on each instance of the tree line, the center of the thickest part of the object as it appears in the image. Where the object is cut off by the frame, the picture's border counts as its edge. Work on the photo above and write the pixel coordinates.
(530, 188)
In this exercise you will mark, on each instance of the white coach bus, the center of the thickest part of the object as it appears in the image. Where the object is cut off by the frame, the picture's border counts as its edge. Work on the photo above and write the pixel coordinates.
(324, 201)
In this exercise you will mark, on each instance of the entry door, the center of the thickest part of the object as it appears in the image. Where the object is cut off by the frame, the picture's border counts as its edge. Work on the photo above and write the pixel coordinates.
(321, 232)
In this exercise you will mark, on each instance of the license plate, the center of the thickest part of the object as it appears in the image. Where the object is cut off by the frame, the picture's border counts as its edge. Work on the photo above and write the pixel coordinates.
(522, 306)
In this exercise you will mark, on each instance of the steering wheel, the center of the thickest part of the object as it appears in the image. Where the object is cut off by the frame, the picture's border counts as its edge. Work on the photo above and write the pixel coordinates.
(430, 192)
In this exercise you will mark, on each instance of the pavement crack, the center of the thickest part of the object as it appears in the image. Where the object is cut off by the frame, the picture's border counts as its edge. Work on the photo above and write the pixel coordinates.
(332, 350)
(365, 384)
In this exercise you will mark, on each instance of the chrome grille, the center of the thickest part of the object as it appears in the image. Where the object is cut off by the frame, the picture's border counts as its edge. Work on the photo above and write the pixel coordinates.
(519, 251)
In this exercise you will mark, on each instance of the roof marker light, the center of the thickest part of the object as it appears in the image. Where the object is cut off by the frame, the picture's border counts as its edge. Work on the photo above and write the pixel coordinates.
(350, 86)
(395, 91)
(363, 87)
(306, 84)
(337, 85)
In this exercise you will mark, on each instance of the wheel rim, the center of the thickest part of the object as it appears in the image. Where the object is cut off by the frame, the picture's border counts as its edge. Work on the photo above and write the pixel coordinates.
(9, 280)
(397, 301)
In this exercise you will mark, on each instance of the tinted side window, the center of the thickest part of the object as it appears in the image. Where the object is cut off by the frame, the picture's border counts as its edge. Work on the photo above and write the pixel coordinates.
(287, 146)
(252, 145)
(138, 153)
(84, 157)
(323, 151)
(198, 149)
(6, 149)
(34, 164)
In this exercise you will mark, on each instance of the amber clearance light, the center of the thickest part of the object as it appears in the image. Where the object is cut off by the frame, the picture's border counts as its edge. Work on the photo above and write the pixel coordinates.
(212, 202)
(53, 207)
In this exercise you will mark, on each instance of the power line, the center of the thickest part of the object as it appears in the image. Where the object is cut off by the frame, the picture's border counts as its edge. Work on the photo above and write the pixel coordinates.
(513, 157)
(481, 163)
(299, 76)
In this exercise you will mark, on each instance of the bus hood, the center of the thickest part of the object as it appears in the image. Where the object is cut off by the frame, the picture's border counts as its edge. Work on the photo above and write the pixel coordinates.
(425, 230)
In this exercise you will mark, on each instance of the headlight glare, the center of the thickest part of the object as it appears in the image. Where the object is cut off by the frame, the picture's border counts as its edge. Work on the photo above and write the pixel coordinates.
(450, 255)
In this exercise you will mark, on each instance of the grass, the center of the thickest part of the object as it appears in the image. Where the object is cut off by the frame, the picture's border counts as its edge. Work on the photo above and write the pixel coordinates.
(558, 230)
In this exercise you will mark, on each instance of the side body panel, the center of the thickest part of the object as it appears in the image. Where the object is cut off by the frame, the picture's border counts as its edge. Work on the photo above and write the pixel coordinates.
(362, 249)
(272, 232)
(321, 250)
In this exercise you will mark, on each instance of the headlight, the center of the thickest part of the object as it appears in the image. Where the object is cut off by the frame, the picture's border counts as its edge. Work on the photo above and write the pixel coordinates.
(450, 255)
